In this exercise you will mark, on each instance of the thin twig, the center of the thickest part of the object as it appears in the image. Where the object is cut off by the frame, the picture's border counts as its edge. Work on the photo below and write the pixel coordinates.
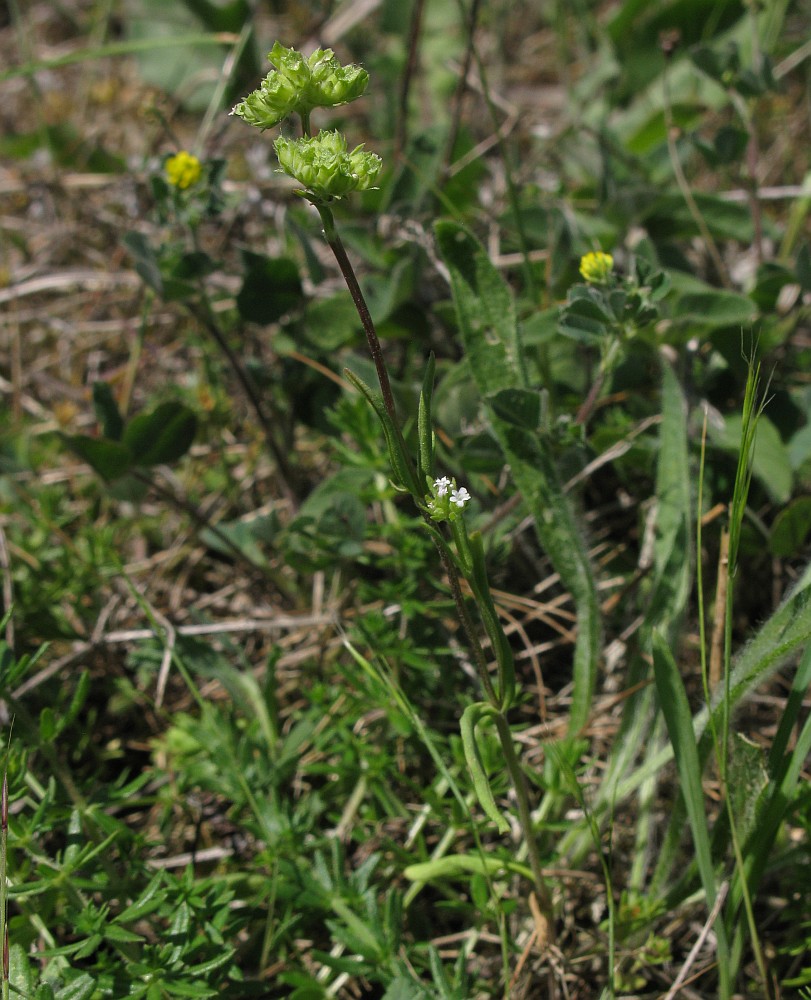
(461, 86)
(702, 937)
(401, 129)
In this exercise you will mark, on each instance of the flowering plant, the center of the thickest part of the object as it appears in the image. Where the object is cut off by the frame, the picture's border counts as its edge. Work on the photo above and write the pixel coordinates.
(327, 169)
(446, 502)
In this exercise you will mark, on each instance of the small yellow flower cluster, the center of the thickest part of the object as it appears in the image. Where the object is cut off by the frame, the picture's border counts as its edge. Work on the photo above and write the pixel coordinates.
(183, 170)
(596, 267)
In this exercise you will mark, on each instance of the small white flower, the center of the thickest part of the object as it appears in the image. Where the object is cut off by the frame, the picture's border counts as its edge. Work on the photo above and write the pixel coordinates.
(441, 486)
(460, 497)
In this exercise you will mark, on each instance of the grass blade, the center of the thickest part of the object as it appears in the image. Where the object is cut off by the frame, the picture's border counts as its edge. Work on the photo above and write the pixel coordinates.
(676, 710)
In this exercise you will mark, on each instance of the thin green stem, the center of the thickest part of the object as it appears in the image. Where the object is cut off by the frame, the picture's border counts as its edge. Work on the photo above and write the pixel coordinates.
(467, 624)
(519, 783)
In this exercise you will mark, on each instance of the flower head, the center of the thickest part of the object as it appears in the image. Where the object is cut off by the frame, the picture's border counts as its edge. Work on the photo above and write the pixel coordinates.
(596, 267)
(324, 165)
(446, 501)
(297, 85)
(183, 170)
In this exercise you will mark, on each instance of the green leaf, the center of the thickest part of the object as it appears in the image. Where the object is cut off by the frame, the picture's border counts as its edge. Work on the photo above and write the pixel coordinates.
(404, 476)
(146, 261)
(486, 317)
(458, 865)
(81, 988)
(120, 935)
(107, 412)
(47, 725)
(521, 407)
(193, 265)
(164, 435)
(486, 311)
(270, 289)
(676, 710)
(229, 16)
(149, 901)
(791, 528)
(471, 717)
(785, 767)
(714, 309)
(802, 267)
(425, 429)
(21, 975)
(404, 988)
(668, 214)
(558, 530)
(329, 324)
(110, 459)
(672, 577)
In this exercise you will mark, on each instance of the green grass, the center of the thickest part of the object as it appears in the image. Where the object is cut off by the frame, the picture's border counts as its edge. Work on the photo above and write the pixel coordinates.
(279, 723)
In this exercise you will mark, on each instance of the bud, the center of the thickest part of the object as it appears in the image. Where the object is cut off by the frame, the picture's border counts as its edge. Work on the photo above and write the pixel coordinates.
(596, 267)
(183, 170)
(324, 166)
(297, 85)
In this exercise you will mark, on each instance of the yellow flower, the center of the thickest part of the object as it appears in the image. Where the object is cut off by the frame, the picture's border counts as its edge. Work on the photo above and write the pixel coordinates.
(183, 169)
(596, 266)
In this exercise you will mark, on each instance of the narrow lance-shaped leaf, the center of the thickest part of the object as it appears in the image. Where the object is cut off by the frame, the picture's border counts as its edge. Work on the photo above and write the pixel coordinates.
(676, 710)
(486, 311)
(107, 412)
(404, 478)
(425, 430)
(471, 717)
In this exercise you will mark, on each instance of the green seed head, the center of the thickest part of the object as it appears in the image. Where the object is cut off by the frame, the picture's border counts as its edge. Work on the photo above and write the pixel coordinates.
(323, 165)
(297, 85)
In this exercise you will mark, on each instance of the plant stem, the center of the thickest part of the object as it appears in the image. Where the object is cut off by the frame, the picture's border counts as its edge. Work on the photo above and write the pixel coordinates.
(467, 624)
(519, 783)
(344, 263)
(401, 128)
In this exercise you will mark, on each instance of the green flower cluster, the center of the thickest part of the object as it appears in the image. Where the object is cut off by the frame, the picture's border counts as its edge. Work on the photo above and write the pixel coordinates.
(297, 85)
(324, 165)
